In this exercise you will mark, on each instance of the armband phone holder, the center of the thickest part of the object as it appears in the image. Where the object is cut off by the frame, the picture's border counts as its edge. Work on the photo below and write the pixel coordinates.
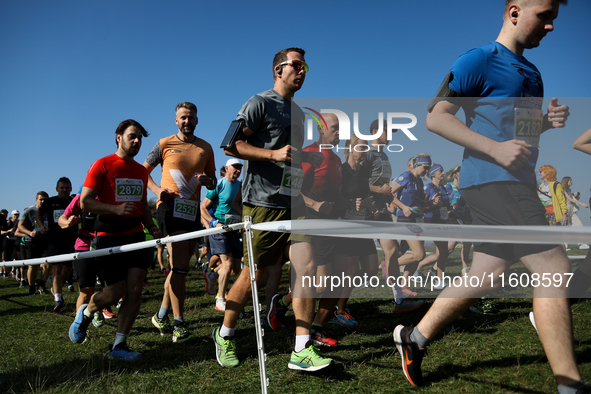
(233, 134)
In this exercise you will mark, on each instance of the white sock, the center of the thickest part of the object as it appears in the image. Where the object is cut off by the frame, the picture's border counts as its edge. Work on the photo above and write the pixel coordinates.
(119, 338)
(301, 341)
(87, 312)
(226, 332)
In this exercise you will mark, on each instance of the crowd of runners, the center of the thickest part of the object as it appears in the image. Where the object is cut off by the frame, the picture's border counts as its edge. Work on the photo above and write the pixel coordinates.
(284, 180)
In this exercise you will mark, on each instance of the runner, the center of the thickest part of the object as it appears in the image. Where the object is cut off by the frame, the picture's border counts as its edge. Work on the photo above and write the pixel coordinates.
(497, 167)
(187, 164)
(225, 245)
(273, 137)
(61, 241)
(35, 243)
(115, 189)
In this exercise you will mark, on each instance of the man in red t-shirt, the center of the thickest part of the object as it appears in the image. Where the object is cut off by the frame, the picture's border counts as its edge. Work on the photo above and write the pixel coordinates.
(115, 189)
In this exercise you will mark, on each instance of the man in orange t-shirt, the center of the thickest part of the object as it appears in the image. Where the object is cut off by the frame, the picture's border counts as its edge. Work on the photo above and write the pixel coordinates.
(187, 164)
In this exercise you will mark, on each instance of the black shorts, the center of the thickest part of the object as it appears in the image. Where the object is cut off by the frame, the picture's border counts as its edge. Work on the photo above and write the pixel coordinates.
(170, 224)
(8, 249)
(326, 248)
(358, 247)
(113, 268)
(86, 271)
(57, 249)
(35, 250)
(510, 204)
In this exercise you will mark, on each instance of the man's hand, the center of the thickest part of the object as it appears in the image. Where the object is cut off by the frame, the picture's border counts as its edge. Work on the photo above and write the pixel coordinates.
(126, 209)
(156, 232)
(284, 154)
(511, 154)
(72, 220)
(386, 190)
(166, 194)
(324, 207)
(437, 200)
(204, 180)
(557, 114)
(314, 158)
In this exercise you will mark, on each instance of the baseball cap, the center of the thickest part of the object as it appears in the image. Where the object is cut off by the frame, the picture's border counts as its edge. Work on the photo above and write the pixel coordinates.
(233, 162)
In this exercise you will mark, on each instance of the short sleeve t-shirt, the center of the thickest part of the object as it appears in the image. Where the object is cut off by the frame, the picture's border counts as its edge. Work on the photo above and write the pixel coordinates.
(53, 208)
(222, 197)
(276, 122)
(181, 161)
(500, 81)
(412, 193)
(322, 183)
(118, 181)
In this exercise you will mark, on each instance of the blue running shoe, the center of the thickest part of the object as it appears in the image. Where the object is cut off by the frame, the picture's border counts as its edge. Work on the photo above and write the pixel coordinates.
(78, 328)
(342, 318)
(122, 352)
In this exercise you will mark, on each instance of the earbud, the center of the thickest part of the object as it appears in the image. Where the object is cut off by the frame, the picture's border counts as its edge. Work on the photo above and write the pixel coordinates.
(514, 14)
(279, 70)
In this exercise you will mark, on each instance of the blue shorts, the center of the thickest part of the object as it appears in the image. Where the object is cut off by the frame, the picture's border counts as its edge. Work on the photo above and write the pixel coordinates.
(226, 243)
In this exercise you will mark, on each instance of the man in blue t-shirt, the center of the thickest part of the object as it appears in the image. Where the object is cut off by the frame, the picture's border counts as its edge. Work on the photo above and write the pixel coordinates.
(226, 245)
(503, 98)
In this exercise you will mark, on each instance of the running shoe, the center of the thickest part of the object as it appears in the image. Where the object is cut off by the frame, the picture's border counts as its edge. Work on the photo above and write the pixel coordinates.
(412, 356)
(180, 334)
(118, 306)
(408, 292)
(265, 323)
(384, 269)
(210, 282)
(220, 304)
(108, 314)
(22, 285)
(31, 290)
(163, 325)
(485, 307)
(42, 290)
(342, 318)
(98, 319)
(59, 306)
(71, 288)
(321, 338)
(78, 328)
(122, 352)
(407, 306)
(308, 359)
(276, 313)
(225, 349)
(418, 274)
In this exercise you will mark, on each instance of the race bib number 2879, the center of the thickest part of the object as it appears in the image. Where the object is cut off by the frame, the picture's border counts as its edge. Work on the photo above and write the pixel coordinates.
(128, 189)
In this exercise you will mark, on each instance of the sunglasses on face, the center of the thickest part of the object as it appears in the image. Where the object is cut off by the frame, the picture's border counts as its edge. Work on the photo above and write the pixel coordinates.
(296, 64)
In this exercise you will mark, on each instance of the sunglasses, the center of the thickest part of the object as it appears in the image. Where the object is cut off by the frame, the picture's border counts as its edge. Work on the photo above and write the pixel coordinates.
(296, 64)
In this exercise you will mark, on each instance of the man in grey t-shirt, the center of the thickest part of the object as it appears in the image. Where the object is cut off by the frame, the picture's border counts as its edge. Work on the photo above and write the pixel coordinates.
(35, 242)
(274, 135)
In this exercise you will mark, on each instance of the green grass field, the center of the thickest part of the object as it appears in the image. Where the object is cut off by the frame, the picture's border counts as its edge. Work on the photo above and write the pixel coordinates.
(477, 354)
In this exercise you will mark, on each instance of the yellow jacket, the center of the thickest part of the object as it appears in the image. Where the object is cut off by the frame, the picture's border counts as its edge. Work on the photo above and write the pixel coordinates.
(558, 199)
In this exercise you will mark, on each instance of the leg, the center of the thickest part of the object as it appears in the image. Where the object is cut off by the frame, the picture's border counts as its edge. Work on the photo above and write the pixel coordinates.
(131, 307)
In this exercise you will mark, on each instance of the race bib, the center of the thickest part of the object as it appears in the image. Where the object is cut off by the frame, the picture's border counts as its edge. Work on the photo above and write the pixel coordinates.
(443, 213)
(528, 125)
(352, 214)
(57, 213)
(291, 181)
(185, 209)
(232, 219)
(128, 190)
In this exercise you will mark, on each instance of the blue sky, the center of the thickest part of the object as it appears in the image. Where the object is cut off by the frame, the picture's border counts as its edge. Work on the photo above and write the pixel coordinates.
(71, 71)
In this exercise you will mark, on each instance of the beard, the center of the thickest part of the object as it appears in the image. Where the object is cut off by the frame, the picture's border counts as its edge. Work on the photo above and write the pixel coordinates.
(187, 130)
(131, 151)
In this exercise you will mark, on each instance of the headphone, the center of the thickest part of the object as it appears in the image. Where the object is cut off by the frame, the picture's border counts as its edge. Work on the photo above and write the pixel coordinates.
(279, 70)
(514, 14)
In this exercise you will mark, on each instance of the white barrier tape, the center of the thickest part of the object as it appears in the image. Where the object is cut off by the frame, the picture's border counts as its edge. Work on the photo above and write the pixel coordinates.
(124, 248)
(431, 232)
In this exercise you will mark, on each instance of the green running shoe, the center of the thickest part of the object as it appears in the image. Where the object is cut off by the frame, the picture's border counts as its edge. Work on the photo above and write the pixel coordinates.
(163, 325)
(180, 334)
(308, 359)
(98, 320)
(225, 349)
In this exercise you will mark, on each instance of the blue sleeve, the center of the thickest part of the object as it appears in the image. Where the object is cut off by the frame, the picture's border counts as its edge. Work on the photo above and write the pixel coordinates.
(213, 194)
(469, 73)
(429, 192)
(403, 179)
